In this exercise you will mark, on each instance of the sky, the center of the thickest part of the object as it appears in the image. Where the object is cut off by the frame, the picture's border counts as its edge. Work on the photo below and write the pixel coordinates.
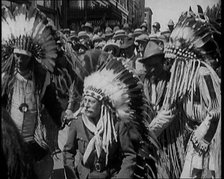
(164, 10)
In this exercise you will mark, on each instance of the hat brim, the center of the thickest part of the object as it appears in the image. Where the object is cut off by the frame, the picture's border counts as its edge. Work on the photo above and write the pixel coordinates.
(97, 40)
(87, 27)
(143, 26)
(109, 35)
(137, 34)
(145, 60)
(126, 46)
(113, 47)
(141, 40)
(78, 46)
(73, 37)
(83, 36)
(120, 36)
(22, 52)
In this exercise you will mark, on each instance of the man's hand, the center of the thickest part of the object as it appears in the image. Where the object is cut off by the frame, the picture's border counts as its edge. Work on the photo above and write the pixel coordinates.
(68, 114)
(67, 117)
(162, 121)
(166, 114)
(199, 143)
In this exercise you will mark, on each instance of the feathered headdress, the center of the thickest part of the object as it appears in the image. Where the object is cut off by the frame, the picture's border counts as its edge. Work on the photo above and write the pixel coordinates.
(27, 31)
(191, 42)
(192, 37)
(122, 99)
(114, 84)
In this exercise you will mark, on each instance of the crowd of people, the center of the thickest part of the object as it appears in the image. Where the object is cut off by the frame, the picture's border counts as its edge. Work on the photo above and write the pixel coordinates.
(127, 103)
(119, 41)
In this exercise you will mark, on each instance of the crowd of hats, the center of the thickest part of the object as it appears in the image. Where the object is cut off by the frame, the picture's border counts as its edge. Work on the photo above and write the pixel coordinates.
(112, 39)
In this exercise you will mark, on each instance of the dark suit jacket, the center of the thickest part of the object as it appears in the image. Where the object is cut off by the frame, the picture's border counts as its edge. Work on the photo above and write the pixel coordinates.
(121, 159)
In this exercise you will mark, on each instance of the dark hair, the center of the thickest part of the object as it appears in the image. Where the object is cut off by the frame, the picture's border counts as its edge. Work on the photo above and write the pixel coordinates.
(16, 158)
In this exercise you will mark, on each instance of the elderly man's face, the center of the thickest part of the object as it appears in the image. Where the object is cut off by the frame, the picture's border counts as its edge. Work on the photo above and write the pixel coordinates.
(92, 107)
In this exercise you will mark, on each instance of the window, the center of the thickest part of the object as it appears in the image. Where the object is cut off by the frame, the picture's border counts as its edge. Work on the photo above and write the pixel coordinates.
(10, 4)
(46, 3)
(6, 3)
(40, 2)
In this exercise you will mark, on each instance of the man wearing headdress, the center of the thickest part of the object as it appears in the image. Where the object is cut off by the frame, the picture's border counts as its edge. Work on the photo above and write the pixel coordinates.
(193, 135)
(28, 53)
(103, 139)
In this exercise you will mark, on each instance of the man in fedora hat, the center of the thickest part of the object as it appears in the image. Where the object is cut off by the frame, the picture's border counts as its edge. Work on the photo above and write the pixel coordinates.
(144, 27)
(137, 32)
(112, 48)
(119, 36)
(126, 28)
(108, 34)
(141, 42)
(89, 29)
(156, 77)
(127, 52)
(84, 39)
(156, 28)
(170, 25)
(98, 41)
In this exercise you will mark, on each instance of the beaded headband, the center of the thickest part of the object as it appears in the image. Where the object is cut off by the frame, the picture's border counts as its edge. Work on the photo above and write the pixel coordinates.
(94, 92)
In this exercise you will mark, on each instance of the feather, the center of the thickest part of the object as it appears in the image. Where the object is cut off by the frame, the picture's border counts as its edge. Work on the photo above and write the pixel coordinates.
(180, 80)
(200, 12)
(25, 29)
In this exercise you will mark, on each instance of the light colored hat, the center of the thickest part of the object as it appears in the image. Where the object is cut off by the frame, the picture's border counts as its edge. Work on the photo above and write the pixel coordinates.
(96, 38)
(142, 38)
(126, 26)
(116, 28)
(108, 32)
(143, 25)
(89, 25)
(120, 34)
(170, 23)
(156, 38)
(83, 34)
(137, 32)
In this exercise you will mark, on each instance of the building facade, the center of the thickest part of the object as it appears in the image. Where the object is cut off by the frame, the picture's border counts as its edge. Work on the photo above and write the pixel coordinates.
(138, 13)
(73, 13)
(148, 18)
(98, 12)
(52, 8)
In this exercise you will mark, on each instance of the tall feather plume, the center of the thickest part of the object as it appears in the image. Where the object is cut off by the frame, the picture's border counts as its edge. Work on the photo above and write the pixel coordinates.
(28, 29)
